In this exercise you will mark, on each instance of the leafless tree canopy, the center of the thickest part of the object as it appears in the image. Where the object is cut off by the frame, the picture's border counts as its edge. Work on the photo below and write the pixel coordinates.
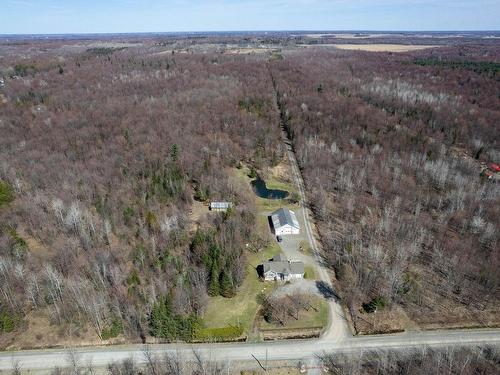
(464, 361)
(103, 152)
(392, 148)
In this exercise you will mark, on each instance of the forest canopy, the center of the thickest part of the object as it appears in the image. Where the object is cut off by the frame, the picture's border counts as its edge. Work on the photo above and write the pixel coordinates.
(107, 151)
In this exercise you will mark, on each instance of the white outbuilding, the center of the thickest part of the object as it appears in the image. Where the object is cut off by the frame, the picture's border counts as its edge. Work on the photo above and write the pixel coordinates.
(220, 206)
(285, 222)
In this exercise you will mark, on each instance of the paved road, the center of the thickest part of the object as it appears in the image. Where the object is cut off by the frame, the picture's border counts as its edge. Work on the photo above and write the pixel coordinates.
(279, 350)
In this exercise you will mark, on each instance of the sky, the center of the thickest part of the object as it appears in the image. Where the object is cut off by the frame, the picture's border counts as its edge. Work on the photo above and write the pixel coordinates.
(119, 16)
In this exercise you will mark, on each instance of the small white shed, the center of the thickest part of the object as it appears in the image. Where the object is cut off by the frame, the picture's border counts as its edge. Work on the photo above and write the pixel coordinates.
(220, 206)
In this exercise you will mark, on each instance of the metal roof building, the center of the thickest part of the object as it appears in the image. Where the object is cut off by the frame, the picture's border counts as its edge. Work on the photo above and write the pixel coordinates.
(285, 222)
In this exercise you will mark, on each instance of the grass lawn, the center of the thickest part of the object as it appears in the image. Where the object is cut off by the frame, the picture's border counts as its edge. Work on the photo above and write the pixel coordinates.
(266, 205)
(241, 309)
(309, 272)
(305, 247)
(307, 319)
(269, 205)
(273, 183)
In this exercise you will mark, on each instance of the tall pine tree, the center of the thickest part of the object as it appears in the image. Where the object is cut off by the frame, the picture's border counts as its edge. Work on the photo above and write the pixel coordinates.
(227, 285)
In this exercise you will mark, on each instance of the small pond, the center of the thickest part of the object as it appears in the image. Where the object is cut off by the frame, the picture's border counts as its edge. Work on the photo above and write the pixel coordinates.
(259, 187)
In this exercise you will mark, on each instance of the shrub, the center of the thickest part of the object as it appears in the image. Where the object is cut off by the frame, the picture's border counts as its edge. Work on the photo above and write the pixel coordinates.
(103, 51)
(201, 193)
(24, 69)
(6, 193)
(19, 245)
(133, 279)
(276, 56)
(294, 198)
(377, 303)
(114, 330)
(253, 173)
(219, 334)
(252, 105)
(128, 214)
(8, 321)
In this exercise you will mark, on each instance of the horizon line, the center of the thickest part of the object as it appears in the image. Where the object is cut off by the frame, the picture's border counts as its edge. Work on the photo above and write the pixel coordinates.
(254, 31)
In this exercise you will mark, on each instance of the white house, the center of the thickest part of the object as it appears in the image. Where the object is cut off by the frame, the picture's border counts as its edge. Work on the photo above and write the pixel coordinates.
(281, 269)
(220, 206)
(285, 222)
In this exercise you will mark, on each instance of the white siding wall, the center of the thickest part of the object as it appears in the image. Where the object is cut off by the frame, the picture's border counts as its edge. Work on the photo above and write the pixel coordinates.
(271, 276)
(286, 229)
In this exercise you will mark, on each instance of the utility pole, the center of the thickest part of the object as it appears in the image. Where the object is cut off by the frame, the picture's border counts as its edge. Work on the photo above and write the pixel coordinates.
(266, 359)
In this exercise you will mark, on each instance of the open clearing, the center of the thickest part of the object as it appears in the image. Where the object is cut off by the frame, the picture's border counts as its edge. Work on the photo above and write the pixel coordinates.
(315, 317)
(240, 51)
(346, 36)
(383, 47)
(275, 178)
(241, 309)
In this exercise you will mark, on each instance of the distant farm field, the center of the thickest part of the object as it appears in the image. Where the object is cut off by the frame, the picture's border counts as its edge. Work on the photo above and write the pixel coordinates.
(383, 47)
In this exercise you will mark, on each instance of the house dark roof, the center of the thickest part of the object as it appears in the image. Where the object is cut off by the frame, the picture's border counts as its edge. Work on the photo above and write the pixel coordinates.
(283, 217)
(280, 258)
(281, 265)
(296, 268)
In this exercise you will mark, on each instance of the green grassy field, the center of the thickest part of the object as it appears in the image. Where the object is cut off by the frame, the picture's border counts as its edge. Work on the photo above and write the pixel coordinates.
(241, 309)
(307, 319)
(310, 272)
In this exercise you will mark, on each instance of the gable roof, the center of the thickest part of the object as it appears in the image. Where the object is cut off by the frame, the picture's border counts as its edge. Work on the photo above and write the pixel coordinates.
(296, 268)
(280, 265)
(280, 258)
(283, 217)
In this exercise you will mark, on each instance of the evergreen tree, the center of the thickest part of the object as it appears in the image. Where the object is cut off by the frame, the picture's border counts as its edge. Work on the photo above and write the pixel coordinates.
(226, 285)
(213, 286)
(174, 152)
(162, 321)
(165, 324)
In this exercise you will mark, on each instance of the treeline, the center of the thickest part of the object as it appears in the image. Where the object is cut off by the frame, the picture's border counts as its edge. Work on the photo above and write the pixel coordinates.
(101, 163)
(452, 360)
(482, 67)
(392, 157)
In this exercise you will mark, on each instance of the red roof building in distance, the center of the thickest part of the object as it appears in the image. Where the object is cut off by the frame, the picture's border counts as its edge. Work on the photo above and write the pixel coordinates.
(494, 167)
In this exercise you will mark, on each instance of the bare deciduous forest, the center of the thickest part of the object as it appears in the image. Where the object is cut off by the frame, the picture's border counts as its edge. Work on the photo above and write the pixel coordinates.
(393, 152)
(104, 150)
(453, 360)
